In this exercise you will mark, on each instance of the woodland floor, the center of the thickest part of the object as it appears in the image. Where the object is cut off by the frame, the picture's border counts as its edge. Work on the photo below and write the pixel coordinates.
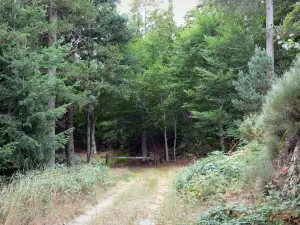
(137, 199)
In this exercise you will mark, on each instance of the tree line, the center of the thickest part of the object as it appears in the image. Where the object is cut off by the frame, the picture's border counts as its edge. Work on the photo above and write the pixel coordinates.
(76, 74)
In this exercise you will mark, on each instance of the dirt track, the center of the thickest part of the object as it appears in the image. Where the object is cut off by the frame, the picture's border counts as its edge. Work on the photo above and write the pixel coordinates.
(135, 200)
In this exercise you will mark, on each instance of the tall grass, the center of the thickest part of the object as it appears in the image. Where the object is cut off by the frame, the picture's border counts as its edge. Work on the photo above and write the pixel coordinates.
(260, 171)
(46, 195)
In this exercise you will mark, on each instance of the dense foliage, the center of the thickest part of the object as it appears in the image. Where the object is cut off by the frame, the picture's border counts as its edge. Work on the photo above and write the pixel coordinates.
(76, 76)
(145, 83)
(210, 176)
(280, 116)
(36, 195)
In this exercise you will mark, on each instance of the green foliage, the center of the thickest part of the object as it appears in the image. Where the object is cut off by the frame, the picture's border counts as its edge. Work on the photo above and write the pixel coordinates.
(248, 130)
(274, 211)
(291, 22)
(25, 94)
(35, 194)
(209, 176)
(87, 61)
(280, 114)
(254, 85)
(259, 172)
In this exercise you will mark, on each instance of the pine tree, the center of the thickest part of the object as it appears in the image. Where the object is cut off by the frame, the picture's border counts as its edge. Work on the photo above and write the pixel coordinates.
(254, 85)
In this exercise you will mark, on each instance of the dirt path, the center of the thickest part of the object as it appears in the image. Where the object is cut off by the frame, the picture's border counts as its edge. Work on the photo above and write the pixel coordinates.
(163, 187)
(133, 203)
(92, 213)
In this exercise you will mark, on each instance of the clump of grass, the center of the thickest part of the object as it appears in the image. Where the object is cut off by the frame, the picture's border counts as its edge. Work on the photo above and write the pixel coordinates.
(41, 194)
(260, 171)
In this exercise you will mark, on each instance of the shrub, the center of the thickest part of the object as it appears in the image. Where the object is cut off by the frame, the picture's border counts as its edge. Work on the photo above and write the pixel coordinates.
(271, 212)
(260, 169)
(38, 193)
(248, 131)
(209, 176)
(280, 113)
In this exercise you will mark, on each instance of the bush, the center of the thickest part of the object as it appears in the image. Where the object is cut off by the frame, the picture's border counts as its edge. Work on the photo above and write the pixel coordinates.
(280, 115)
(38, 193)
(271, 212)
(260, 170)
(248, 131)
(209, 176)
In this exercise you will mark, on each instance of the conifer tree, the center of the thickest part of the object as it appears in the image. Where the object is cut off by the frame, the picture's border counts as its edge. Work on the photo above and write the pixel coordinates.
(254, 85)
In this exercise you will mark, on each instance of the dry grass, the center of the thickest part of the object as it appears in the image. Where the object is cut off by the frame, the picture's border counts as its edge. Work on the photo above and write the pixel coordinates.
(136, 202)
(52, 196)
(176, 210)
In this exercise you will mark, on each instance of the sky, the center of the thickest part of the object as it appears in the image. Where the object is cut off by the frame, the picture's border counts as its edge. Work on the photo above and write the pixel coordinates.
(181, 7)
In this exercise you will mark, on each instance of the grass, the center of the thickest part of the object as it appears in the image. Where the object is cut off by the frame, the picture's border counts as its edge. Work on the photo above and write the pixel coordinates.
(178, 208)
(211, 181)
(218, 190)
(135, 202)
(52, 194)
(175, 210)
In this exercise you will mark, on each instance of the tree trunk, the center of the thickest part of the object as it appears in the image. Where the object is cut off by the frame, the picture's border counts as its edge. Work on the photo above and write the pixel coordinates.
(52, 71)
(166, 139)
(88, 138)
(144, 145)
(70, 153)
(94, 147)
(145, 24)
(175, 137)
(221, 130)
(138, 24)
(270, 34)
(171, 6)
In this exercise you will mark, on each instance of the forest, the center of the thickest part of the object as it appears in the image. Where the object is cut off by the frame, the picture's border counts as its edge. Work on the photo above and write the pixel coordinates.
(215, 100)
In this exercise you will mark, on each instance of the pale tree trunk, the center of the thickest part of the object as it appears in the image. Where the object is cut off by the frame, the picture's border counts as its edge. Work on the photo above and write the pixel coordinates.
(144, 145)
(166, 138)
(138, 29)
(70, 153)
(88, 138)
(52, 71)
(145, 24)
(171, 5)
(270, 34)
(221, 130)
(94, 147)
(175, 137)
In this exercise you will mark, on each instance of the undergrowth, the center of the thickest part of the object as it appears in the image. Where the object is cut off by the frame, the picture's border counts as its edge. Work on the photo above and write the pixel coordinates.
(216, 181)
(269, 212)
(209, 176)
(41, 194)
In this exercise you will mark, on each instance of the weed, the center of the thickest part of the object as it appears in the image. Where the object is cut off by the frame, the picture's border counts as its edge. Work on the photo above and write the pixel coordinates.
(37, 194)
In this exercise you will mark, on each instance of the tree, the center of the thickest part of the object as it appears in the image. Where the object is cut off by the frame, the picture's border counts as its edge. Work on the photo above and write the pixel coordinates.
(141, 11)
(26, 120)
(51, 41)
(254, 85)
(270, 34)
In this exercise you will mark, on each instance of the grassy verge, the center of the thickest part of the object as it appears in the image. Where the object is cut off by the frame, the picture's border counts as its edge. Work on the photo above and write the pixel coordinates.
(224, 189)
(52, 195)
